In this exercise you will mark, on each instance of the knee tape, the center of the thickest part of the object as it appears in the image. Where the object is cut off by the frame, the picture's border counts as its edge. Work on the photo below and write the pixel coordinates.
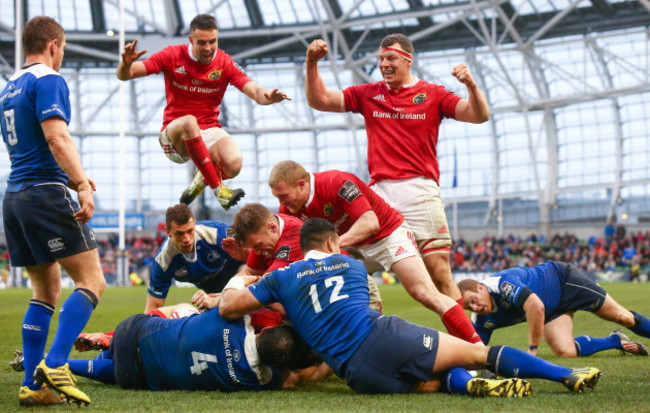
(434, 246)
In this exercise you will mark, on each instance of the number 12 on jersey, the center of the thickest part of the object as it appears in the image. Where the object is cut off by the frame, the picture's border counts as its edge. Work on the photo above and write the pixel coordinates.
(338, 283)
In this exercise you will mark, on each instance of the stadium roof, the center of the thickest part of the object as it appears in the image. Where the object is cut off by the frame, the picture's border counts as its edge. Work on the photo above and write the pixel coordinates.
(279, 30)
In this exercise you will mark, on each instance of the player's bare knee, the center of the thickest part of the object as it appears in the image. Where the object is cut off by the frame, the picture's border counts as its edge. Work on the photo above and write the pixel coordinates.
(568, 351)
(232, 165)
(188, 126)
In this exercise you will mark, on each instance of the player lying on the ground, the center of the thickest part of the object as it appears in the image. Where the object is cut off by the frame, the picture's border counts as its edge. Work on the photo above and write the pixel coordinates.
(546, 296)
(198, 352)
(325, 297)
(192, 253)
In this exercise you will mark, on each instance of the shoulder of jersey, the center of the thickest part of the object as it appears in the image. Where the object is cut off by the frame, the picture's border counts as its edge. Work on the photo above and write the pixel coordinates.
(38, 71)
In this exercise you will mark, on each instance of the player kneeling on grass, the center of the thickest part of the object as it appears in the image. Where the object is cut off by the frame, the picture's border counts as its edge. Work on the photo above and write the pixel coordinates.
(199, 352)
(325, 297)
(546, 296)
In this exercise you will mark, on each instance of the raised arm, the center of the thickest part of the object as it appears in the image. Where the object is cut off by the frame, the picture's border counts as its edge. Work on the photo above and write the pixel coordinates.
(129, 67)
(262, 95)
(475, 108)
(62, 147)
(534, 308)
(318, 96)
(365, 226)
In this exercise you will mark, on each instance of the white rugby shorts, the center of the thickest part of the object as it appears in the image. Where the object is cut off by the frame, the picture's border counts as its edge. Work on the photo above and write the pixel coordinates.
(398, 245)
(418, 200)
(210, 137)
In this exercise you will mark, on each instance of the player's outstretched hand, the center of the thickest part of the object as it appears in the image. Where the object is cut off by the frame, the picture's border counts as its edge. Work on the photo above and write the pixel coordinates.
(276, 95)
(234, 249)
(462, 73)
(87, 204)
(205, 301)
(130, 55)
(316, 50)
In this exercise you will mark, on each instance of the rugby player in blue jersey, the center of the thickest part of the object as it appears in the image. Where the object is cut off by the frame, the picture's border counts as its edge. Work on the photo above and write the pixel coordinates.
(193, 254)
(546, 296)
(44, 225)
(325, 297)
(199, 352)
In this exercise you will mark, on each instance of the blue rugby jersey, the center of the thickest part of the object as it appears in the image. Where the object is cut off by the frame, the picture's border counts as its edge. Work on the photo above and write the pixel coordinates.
(204, 352)
(506, 287)
(32, 95)
(210, 269)
(326, 299)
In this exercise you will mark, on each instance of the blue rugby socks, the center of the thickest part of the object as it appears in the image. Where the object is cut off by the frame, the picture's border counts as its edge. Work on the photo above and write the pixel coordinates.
(511, 362)
(73, 317)
(36, 326)
(587, 346)
(642, 326)
(100, 369)
(455, 381)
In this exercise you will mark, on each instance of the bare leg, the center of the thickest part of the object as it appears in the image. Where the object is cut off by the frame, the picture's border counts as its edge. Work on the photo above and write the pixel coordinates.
(613, 311)
(227, 156)
(415, 279)
(559, 336)
(437, 265)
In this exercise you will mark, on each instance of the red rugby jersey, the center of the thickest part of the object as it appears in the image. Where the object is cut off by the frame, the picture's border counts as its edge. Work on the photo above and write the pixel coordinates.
(193, 88)
(287, 249)
(341, 198)
(402, 127)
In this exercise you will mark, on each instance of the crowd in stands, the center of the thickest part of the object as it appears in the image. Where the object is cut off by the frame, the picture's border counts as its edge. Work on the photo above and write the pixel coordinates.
(617, 250)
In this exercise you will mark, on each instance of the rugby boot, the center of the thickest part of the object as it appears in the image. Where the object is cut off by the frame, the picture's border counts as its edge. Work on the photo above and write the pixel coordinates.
(61, 380)
(509, 388)
(92, 341)
(40, 397)
(629, 346)
(228, 197)
(18, 363)
(581, 378)
(195, 189)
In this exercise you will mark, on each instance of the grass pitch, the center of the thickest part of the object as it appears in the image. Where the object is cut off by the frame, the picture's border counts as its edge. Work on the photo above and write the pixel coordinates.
(622, 388)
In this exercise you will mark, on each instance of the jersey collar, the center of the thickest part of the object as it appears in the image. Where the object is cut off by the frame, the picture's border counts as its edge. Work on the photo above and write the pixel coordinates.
(312, 190)
(413, 83)
(280, 224)
(316, 255)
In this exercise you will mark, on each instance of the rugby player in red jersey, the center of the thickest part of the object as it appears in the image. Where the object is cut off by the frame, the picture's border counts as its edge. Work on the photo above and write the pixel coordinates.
(363, 219)
(196, 78)
(402, 115)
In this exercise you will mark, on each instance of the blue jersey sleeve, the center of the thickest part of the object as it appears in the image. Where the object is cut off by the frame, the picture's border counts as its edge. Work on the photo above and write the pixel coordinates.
(159, 282)
(52, 98)
(265, 289)
(511, 289)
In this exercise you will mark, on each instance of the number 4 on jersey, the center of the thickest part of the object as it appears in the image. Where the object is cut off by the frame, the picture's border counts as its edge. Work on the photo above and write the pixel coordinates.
(338, 282)
(201, 362)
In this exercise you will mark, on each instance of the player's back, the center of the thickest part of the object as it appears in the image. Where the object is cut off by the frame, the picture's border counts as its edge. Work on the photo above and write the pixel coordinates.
(32, 95)
(545, 280)
(204, 352)
(326, 299)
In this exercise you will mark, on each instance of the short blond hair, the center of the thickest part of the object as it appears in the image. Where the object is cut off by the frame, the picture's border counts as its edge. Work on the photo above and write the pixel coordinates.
(468, 285)
(289, 172)
(249, 220)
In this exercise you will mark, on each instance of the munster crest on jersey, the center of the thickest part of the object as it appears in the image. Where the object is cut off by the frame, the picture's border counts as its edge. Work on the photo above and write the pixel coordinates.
(328, 209)
(419, 98)
(215, 74)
